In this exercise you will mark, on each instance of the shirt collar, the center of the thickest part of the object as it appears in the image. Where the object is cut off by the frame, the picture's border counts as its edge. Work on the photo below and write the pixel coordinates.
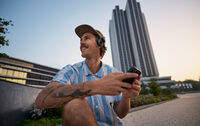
(89, 73)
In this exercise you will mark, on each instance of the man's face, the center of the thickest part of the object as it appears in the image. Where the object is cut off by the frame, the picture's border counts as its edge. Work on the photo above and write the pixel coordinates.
(88, 46)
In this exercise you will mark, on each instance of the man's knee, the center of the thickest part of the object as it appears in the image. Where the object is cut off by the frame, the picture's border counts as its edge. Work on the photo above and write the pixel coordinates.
(77, 112)
(76, 107)
(74, 110)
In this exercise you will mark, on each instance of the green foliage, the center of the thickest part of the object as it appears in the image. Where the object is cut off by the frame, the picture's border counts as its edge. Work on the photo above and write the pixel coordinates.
(167, 91)
(43, 117)
(144, 89)
(165, 98)
(36, 114)
(3, 30)
(154, 88)
(3, 55)
(42, 122)
(149, 99)
(172, 96)
(53, 112)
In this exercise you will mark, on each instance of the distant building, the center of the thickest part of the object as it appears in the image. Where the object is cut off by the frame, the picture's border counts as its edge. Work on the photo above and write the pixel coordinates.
(130, 41)
(183, 86)
(25, 72)
(161, 81)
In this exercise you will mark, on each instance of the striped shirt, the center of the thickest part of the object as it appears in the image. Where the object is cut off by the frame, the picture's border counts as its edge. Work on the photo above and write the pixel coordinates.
(101, 105)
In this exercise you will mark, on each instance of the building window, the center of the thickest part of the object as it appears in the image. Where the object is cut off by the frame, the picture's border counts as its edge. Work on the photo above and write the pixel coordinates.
(13, 73)
(10, 73)
(4, 72)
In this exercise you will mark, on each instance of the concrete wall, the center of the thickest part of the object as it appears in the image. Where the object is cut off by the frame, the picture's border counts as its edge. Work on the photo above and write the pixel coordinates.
(16, 101)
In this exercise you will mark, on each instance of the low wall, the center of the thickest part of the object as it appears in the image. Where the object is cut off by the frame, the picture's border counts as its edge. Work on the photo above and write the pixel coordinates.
(16, 101)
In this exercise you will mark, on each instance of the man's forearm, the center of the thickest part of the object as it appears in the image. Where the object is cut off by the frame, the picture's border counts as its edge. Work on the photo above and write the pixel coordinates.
(56, 95)
(123, 107)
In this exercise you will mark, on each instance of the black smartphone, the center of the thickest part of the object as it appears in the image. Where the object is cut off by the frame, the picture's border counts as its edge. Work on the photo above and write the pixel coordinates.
(132, 70)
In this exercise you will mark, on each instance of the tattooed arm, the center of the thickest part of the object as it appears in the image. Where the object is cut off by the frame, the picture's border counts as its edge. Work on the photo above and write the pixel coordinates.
(56, 95)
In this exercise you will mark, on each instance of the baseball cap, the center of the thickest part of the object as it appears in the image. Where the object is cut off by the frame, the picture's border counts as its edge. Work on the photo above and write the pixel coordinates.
(81, 29)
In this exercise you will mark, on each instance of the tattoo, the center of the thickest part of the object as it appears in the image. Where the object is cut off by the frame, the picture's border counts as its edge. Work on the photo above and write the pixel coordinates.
(75, 94)
(51, 88)
(66, 92)
(83, 84)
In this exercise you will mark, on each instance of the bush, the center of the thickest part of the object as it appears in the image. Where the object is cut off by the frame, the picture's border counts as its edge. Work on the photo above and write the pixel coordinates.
(144, 89)
(153, 100)
(43, 117)
(167, 91)
(172, 96)
(165, 98)
(149, 99)
(154, 88)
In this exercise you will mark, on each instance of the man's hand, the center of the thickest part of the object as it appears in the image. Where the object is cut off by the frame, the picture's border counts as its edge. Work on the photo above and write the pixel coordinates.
(112, 83)
(122, 108)
(134, 90)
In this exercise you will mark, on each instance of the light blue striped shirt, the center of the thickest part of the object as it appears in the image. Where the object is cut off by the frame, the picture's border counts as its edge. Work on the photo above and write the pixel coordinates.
(101, 105)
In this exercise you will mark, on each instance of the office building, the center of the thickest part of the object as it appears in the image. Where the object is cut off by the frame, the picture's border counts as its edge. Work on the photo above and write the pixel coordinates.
(25, 72)
(130, 41)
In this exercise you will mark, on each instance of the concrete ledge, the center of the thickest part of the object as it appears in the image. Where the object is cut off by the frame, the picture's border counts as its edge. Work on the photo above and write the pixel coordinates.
(16, 102)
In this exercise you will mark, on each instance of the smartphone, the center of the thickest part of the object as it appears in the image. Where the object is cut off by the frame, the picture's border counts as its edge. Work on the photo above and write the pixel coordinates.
(132, 70)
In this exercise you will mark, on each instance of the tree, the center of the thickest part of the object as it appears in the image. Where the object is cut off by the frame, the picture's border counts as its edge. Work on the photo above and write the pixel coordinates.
(167, 91)
(154, 88)
(3, 31)
(144, 89)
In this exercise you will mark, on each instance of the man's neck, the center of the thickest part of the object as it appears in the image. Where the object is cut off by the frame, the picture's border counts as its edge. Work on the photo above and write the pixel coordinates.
(93, 64)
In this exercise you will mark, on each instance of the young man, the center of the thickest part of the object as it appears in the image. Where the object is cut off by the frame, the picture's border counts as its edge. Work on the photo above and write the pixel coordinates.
(91, 92)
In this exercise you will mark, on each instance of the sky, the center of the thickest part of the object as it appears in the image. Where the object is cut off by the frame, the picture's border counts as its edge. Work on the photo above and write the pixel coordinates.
(43, 31)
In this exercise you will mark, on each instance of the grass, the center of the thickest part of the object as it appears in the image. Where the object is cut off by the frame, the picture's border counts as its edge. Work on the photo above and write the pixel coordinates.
(45, 121)
(52, 115)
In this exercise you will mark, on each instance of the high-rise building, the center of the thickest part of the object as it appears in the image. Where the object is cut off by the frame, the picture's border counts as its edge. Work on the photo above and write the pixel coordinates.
(130, 41)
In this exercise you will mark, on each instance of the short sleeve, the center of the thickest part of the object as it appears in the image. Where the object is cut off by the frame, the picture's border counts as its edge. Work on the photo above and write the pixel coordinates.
(64, 75)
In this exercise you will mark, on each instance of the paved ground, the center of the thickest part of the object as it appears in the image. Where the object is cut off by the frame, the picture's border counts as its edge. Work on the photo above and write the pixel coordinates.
(184, 111)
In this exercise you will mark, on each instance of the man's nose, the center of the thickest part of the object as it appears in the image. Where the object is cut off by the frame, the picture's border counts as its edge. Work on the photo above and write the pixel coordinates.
(82, 41)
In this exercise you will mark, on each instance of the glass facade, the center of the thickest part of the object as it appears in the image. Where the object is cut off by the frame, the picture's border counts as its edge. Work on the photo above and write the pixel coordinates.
(128, 31)
(12, 73)
(24, 72)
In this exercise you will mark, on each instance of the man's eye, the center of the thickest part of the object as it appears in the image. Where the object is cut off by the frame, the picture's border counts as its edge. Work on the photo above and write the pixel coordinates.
(86, 37)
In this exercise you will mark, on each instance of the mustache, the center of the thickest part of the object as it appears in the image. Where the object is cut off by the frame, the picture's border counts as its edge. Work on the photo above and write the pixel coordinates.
(83, 45)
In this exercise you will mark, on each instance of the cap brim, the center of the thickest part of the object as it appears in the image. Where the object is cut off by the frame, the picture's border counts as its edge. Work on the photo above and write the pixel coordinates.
(81, 29)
